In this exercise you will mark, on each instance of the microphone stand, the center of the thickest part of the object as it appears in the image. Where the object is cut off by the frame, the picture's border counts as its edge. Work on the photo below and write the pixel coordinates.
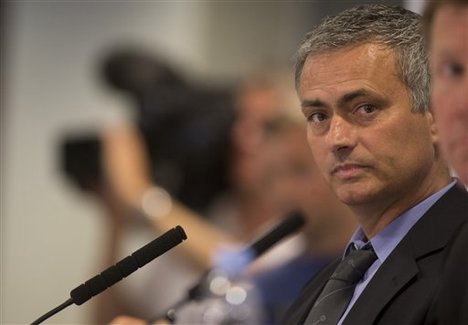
(194, 293)
(53, 312)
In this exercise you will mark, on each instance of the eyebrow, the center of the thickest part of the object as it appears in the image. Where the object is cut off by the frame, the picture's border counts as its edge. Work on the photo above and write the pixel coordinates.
(346, 98)
(313, 103)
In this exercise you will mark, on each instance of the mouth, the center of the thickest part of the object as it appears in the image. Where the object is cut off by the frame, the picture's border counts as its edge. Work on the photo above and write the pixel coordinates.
(347, 170)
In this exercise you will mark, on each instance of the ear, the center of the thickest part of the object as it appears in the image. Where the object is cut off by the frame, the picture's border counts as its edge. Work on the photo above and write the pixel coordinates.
(432, 127)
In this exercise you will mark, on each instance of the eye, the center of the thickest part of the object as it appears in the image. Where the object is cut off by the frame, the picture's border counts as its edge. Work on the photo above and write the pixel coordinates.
(452, 70)
(317, 117)
(366, 109)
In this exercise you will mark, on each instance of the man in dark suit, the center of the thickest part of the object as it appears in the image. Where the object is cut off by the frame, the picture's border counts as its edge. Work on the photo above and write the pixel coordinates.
(362, 78)
(446, 28)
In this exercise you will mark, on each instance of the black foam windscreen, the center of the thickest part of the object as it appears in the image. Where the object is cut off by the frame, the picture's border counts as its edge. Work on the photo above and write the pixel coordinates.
(128, 265)
(287, 226)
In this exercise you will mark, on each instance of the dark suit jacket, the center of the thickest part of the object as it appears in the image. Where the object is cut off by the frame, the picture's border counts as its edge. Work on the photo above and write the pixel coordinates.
(452, 304)
(404, 288)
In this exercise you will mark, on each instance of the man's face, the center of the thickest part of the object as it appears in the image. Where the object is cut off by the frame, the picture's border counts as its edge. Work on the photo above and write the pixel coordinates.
(366, 141)
(449, 69)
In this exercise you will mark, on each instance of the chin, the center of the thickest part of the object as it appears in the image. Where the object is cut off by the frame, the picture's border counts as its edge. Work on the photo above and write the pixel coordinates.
(462, 172)
(352, 195)
(459, 163)
(353, 200)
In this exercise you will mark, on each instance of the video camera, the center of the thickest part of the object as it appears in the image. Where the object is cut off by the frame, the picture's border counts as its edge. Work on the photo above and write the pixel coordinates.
(185, 129)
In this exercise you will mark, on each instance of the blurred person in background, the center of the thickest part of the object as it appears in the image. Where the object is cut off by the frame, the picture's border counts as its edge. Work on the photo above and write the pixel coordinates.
(446, 27)
(237, 215)
(447, 38)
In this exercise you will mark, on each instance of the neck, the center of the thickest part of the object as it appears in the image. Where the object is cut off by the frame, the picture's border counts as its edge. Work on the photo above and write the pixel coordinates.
(374, 216)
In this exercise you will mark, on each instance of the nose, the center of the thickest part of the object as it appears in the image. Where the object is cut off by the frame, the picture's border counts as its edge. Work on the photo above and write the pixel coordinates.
(341, 136)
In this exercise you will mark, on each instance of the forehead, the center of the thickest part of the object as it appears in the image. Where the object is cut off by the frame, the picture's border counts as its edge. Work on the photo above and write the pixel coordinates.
(450, 28)
(371, 66)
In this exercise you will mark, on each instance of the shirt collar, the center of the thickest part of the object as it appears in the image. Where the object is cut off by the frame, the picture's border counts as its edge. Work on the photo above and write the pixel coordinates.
(388, 238)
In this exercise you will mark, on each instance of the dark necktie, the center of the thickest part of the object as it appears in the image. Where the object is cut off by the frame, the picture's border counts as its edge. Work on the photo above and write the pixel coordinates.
(339, 289)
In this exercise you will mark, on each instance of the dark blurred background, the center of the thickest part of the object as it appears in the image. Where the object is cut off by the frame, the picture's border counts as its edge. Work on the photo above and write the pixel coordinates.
(54, 93)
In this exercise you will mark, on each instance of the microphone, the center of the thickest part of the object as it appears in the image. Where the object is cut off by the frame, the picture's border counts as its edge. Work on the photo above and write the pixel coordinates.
(259, 246)
(239, 260)
(290, 224)
(120, 270)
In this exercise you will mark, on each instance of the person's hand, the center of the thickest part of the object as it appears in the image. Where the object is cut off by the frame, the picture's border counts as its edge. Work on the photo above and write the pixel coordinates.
(126, 164)
(127, 320)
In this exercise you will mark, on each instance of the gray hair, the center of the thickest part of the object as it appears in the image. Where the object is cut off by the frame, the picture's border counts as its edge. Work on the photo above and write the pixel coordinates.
(394, 27)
